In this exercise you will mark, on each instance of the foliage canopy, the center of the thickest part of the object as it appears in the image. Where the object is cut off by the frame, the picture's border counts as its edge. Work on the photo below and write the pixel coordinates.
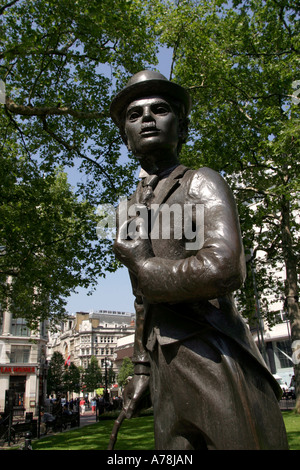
(241, 68)
(61, 62)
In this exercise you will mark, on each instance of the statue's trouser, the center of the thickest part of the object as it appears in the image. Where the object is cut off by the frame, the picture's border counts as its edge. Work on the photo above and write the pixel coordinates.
(208, 393)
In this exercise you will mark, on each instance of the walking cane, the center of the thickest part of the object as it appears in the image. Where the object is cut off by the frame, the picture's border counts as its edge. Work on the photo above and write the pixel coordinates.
(114, 433)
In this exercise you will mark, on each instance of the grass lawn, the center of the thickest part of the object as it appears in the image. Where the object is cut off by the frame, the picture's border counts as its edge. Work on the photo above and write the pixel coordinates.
(134, 434)
(292, 425)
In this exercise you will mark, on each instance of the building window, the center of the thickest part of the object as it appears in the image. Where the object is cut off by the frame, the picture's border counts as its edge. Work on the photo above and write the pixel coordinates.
(19, 327)
(19, 354)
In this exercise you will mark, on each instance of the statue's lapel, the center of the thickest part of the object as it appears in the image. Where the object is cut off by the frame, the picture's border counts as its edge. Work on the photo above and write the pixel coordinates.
(171, 183)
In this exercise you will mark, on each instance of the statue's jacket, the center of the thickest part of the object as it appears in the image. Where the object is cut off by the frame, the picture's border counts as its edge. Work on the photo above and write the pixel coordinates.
(179, 289)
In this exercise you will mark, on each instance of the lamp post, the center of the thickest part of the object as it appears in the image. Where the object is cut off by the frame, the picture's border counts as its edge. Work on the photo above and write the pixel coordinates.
(106, 396)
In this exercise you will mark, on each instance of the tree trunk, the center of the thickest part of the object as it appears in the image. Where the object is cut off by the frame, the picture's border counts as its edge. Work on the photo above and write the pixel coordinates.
(291, 289)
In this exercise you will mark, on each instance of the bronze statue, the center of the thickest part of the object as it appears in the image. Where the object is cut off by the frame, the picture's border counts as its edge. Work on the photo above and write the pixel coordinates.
(209, 385)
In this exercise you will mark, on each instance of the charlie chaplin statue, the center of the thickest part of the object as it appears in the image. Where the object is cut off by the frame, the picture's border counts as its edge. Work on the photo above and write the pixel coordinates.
(179, 237)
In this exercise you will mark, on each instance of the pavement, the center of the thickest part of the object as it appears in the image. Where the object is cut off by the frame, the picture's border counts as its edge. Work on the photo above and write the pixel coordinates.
(87, 418)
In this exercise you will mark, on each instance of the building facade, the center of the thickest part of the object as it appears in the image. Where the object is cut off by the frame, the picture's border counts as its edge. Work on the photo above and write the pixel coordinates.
(96, 334)
(125, 348)
(275, 345)
(274, 342)
(22, 363)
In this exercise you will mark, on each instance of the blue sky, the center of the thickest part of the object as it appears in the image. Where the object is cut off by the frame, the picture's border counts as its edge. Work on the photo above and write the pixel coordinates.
(113, 292)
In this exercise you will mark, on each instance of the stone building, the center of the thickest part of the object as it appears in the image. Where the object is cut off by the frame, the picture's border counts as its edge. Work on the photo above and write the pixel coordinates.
(274, 342)
(96, 334)
(22, 363)
(125, 346)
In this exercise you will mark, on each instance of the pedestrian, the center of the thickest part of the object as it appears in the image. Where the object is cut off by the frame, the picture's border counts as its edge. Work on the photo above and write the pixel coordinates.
(82, 406)
(94, 403)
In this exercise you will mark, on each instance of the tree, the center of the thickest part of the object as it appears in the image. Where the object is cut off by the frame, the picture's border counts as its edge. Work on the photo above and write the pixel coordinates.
(48, 239)
(126, 370)
(61, 62)
(241, 66)
(72, 378)
(55, 382)
(92, 375)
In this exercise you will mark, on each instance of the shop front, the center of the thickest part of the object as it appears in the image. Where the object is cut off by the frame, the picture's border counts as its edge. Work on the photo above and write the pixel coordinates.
(23, 383)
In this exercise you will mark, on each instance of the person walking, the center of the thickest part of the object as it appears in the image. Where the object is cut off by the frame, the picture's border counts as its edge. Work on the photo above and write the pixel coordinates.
(94, 403)
(82, 406)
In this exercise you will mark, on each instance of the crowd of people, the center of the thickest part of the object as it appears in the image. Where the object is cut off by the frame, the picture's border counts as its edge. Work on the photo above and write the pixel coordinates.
(100, 403)
(59, 405)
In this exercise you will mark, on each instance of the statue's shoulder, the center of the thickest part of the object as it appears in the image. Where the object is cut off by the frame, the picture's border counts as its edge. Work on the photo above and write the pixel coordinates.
(207, 173)
(205, 180)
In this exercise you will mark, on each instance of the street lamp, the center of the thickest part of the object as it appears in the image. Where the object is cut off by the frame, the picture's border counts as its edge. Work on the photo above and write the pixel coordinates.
(106, 395)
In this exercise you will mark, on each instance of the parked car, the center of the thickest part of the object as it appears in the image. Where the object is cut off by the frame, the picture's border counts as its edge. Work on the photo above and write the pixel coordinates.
(282, 384)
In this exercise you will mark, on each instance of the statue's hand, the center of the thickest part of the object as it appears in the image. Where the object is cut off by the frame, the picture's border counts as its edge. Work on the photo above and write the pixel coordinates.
(132, 252)
(133, 393)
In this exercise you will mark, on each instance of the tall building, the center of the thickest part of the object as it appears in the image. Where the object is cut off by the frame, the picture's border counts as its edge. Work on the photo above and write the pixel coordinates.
(22, 363)
(274, 342)
(96, 334)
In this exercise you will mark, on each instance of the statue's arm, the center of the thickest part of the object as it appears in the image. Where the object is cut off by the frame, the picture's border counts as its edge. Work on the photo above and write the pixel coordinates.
(218, 267)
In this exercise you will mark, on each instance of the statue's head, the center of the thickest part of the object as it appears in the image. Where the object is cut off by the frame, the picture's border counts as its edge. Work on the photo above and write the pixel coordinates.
(149, 85)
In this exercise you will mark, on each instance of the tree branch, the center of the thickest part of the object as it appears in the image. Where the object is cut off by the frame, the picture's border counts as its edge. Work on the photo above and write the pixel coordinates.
(50, 110)
(2, 9)
(257, 191)
(15, 124)
(73, 148)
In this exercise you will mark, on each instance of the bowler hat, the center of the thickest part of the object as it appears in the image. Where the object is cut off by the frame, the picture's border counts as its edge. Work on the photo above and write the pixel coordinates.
(147, 83)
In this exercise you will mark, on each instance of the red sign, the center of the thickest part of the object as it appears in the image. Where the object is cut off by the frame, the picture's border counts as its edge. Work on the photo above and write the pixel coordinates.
(17, 370)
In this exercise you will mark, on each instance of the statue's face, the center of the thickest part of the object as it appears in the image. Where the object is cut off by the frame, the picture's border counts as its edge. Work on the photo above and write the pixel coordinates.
(151, 125)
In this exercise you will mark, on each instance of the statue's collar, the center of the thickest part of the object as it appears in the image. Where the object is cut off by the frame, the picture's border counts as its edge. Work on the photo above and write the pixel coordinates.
(144, 174)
